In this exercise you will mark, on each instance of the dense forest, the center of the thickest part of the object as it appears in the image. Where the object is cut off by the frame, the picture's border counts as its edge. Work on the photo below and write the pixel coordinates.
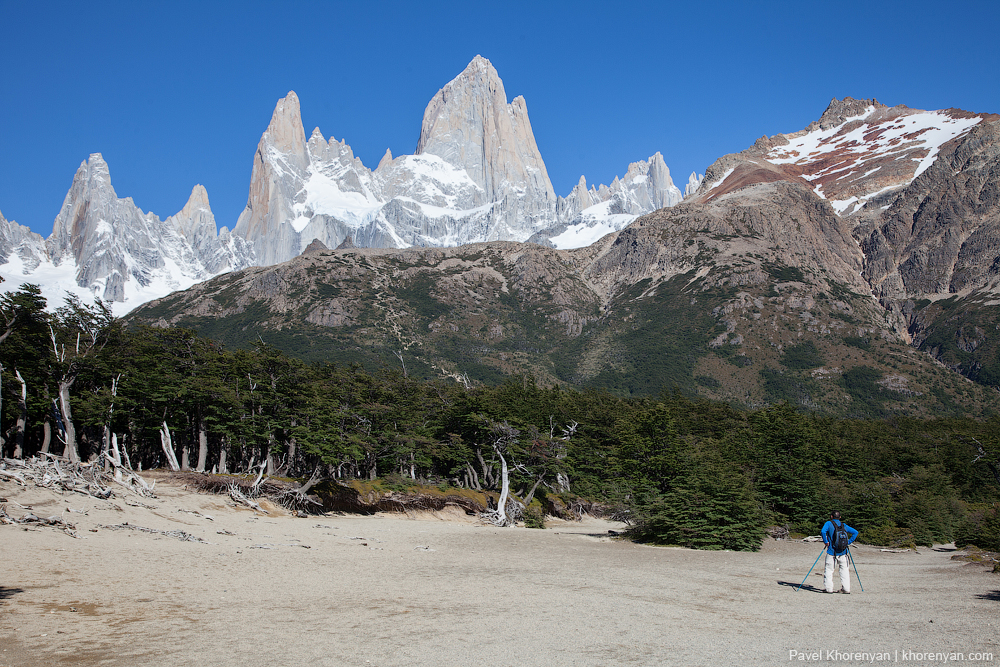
(80, 384)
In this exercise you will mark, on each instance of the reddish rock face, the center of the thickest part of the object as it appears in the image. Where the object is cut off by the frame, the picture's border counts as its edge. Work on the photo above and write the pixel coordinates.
(857, 152)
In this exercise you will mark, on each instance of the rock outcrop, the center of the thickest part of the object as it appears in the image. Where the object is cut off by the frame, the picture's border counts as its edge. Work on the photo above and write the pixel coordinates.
(918, 189)
(941, 235)
(470, 125)
(857, 156)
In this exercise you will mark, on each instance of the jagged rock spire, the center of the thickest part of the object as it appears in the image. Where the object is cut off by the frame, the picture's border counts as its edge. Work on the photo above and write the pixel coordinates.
(279, 168)
(470, 125)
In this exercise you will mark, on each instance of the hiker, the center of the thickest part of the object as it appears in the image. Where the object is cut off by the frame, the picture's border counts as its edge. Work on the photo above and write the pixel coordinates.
(837, 535)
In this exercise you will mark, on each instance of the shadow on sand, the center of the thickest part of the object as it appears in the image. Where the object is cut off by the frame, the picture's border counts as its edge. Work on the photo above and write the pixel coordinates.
(992, 595)
(805, 587)
(9, 592)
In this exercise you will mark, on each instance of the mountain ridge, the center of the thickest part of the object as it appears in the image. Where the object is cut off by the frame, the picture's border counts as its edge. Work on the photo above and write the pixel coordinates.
(477, 175)
(759, 287)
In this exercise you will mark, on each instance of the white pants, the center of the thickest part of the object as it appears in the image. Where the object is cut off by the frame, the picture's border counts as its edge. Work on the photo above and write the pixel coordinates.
(845, 573)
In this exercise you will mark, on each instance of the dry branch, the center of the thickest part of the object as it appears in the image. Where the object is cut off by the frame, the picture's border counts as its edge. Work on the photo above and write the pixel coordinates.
(31, 519)
(83, 478)
(243, 492)
(241, 499)
(179, 534)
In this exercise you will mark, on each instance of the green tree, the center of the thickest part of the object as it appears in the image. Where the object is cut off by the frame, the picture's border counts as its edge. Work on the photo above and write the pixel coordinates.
(24, 347)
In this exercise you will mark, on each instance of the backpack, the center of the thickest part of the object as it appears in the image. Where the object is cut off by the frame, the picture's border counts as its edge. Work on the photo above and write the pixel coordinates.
(840, 538)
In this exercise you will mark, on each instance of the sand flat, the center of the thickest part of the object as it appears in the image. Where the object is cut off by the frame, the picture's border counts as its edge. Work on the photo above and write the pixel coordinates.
(442, 590)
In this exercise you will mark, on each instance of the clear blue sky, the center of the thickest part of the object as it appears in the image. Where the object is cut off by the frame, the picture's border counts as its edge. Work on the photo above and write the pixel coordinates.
(178, 93)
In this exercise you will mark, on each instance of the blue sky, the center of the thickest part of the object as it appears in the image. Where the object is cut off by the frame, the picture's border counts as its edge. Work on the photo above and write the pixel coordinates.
(178, 93)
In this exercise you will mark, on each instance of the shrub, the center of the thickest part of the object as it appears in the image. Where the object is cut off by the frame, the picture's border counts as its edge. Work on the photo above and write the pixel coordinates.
(709, 507)
(802, 356)
(981, 528)
(887, 536)
(534, 517)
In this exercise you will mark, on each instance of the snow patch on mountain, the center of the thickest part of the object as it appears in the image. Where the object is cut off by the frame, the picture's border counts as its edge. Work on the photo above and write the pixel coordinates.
(593, 223)
(870, 152)
(476, 175)
(322, 195)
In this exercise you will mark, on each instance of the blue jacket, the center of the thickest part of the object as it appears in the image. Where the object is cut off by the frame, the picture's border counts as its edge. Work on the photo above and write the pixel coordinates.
(827, 534)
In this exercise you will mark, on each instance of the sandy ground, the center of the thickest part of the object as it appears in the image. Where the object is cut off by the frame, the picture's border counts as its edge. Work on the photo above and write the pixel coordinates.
(440, 590)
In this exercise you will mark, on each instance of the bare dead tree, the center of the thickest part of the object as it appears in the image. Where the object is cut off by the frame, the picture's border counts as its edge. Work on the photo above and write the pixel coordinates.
(202, 443)
(10, 319)
(298, 499)
(22, 417)
(502, 436)
(106, 441)
(260, 477)
(399, 355)
(168, 447)
(991, 461)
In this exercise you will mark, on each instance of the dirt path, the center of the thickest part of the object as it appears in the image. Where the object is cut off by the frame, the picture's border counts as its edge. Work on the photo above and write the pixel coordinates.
(387, 590)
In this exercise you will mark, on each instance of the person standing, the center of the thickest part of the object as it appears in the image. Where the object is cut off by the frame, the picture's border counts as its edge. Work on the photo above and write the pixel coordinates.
(837, 536)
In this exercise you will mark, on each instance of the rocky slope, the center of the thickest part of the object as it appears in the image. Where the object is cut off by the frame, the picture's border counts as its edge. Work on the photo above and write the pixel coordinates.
(858, 156)
(919, 190)
(719, 300)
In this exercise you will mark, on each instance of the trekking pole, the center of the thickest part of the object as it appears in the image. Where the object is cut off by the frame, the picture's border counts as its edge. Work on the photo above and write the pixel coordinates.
(855, 570)
(814, 567)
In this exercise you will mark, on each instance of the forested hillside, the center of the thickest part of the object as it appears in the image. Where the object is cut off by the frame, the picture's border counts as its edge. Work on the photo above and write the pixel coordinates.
(78, 383)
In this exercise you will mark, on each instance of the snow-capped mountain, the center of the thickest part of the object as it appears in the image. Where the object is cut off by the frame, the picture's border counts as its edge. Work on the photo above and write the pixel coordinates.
(20, 246)
(105, 247)
(476, 175)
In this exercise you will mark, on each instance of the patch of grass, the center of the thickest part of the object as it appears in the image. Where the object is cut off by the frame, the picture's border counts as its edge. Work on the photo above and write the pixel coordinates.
(841, 292)
(953, 335)
(786, 387)
(846, 317)
(707, 381)
(418, 293)
(327, 291)
(656, 340)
